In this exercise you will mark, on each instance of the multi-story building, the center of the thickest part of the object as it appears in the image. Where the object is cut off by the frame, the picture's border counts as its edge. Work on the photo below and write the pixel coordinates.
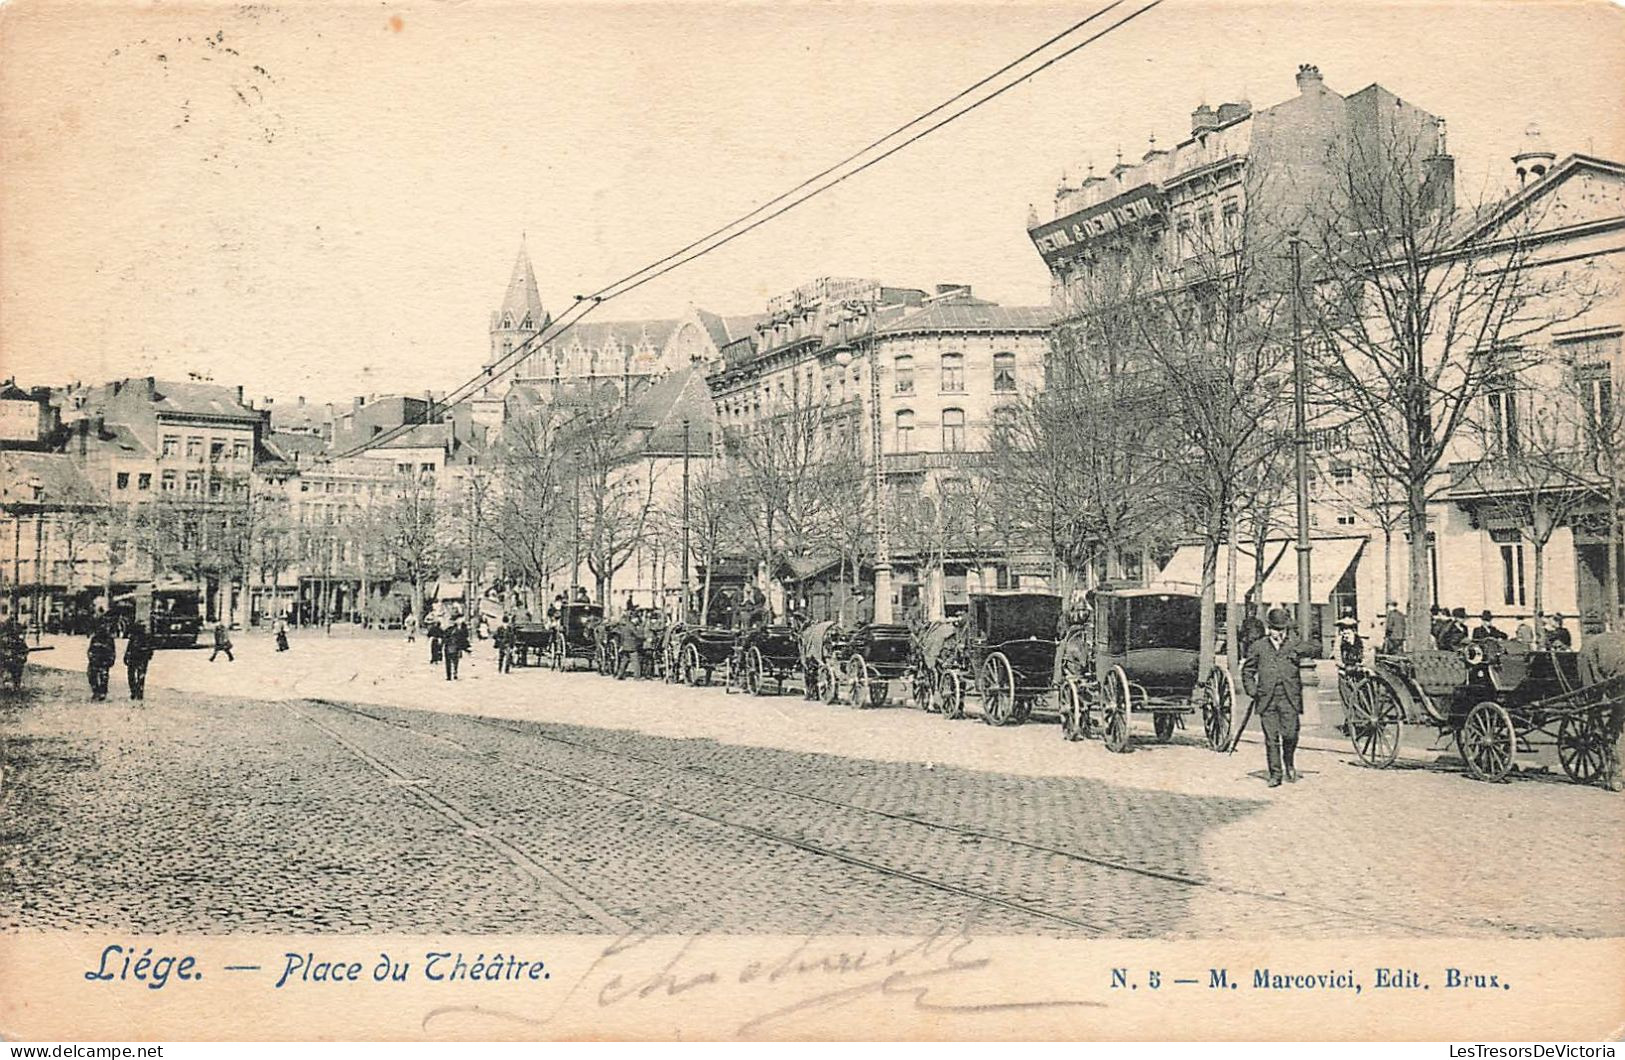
(913, 385)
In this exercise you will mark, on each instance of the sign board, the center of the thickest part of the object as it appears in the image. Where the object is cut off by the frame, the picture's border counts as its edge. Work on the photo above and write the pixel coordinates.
(20, 420)
(1063, 238)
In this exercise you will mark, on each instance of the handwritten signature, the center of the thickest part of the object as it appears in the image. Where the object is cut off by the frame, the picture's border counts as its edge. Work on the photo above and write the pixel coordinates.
(927, 971)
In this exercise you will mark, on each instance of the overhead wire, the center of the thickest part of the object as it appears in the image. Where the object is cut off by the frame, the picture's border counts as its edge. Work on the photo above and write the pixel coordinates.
(756, 217)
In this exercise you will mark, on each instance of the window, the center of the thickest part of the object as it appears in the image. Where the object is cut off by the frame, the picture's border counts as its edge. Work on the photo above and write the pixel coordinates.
(1342, 476)
(1004, 419)
(1512, 582)
(194, 448)
(953, 430)
(905, 431)
(217, 450)
(143, 481)
(194, 482)
(123, 480)
(953, 373)
(215, 487)
(1004, 373)
(427, 469)
(304, 487)
(1502, 402)
(172, 445)
(1345, 519)
(903, 369)
(239, 451)
(167, 483)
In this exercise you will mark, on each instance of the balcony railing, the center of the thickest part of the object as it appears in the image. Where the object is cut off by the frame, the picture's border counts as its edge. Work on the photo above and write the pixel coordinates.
(913, 463)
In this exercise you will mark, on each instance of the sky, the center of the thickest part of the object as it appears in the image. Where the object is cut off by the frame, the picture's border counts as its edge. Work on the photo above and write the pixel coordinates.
(326, 200)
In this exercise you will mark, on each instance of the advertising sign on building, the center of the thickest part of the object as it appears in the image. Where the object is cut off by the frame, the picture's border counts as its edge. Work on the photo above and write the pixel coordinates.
(1063, 238)
(20, 421)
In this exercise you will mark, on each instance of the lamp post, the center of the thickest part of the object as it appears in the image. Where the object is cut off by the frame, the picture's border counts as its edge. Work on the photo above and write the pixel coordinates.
(1300, 440)
(575, 537)
(883, 583)
(685, 583)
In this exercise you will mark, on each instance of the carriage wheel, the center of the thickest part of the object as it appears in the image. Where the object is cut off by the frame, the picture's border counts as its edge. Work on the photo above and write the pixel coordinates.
(829, 684)
(753, 671)
(1488, 741)
(1115, 708)
(1217, 708)
(923, 692)
(998, 685)
(951, 695)
(1074, 711)
(1582, 746)
(691, 665)
(1165, 722)
(857, 679)
(1375, 722)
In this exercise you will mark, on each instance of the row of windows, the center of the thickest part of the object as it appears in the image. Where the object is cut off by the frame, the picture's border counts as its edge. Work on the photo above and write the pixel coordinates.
(952, 373)
(239, 449)
(953, 427)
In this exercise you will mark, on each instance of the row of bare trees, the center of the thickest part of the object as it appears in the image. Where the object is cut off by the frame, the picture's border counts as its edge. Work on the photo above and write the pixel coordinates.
(1423, 329)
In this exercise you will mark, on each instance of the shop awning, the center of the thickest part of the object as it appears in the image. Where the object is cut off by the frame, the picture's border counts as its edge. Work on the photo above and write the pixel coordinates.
(1184, 570)
(1329, 560)
(446, 590)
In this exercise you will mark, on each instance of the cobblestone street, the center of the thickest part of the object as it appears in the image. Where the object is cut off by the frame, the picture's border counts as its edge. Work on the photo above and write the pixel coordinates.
(346, 787)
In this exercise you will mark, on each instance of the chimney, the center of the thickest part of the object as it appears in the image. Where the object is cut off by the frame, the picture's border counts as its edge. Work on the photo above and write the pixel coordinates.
(953, 289)
(269, 401)
(239, 394)
(1203, 120)
(301, 401)
(1229, 112)
(1309, 78)
(82, 428)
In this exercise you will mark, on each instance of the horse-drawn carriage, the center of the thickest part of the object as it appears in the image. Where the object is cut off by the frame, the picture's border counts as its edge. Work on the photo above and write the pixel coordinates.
(531, 644)
(1002, 649)
(1139, 655)
(1494, 697)
(858, 665)
(575, 637)
(765, 653)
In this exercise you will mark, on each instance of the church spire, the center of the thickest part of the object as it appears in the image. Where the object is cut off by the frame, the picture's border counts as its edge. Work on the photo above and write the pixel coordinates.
(522, 298)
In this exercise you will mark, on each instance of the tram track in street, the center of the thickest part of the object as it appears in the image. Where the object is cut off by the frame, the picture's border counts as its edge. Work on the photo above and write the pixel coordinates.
(1094, 861)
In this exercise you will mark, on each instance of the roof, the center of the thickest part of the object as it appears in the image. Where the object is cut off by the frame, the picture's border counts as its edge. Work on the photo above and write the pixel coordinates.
(522, 297)
(56, 473)
(970, 316)
(664, 406)
(1481, 226)
(200, 399)
(627, 334)
(287, 445)
(117, 435)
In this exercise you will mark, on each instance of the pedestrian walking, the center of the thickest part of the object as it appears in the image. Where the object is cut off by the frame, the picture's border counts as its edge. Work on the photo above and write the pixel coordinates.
(1394, 630)
(432, 630)
(281, 634)
(222, 643)
(411, 626)
(503, 638)
(137, 654)
(1271, 677)
(453, 642)
(102, 654)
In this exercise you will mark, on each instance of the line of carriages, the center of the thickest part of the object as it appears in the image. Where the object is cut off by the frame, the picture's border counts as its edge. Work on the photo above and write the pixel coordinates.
(1129, 663)
(1134, 656)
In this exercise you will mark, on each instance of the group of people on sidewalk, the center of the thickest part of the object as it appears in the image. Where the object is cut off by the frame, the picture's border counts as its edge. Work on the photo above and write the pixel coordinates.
(448, 640)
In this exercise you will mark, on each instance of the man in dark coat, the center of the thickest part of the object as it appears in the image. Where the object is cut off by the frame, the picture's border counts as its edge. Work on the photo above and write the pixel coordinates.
(1486, 628)
(1558, 638)
(453, 643)
(102, 654)
(433, 630)
(1438, 622)
(1454, 635)
(137, 654)
(1270, 675)
(1394, 630)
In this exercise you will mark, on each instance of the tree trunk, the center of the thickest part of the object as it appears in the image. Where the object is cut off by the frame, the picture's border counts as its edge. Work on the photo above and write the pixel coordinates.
(1232, 606)
(1210, 563)
(1610, 618)
(1540, 575)
(1387, 566)
(1416, 629)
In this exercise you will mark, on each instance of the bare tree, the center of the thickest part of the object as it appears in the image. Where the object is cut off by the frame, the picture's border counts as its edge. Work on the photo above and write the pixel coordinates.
(408, 525)
(1421, 310)
(531, 506)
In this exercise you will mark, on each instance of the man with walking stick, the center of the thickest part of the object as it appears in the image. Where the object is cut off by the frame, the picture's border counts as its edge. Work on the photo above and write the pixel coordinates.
(1271, 677)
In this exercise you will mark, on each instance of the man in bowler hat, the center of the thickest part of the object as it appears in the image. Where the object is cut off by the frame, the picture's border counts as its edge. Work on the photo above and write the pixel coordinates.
(1270, 675)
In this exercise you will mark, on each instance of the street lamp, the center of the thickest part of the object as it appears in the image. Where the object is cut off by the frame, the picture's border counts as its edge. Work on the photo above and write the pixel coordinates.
(685, 597)
(1300, 439)
(883, 585)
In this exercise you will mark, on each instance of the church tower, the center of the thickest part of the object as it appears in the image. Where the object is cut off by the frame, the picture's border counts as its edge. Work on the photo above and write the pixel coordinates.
(521, 314)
